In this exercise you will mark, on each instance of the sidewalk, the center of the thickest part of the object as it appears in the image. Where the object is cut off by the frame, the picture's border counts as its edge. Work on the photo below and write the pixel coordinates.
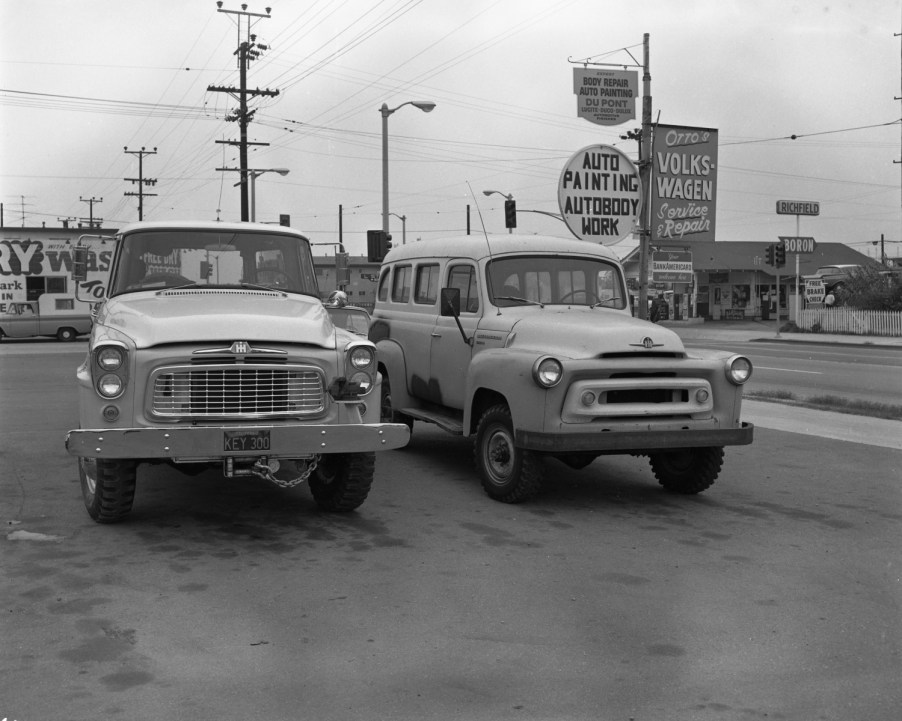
(753, 330)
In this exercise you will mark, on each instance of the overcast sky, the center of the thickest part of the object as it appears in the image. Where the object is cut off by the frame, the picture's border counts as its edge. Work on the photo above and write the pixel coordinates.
(83, 80)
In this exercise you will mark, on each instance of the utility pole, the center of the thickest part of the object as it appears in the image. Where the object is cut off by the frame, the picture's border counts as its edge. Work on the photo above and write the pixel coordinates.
(90, 201)
(141, 180)
(248, 49)
(645, 177)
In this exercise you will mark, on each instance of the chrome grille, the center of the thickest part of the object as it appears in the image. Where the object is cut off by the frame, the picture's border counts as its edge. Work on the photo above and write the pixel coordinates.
(237, 391)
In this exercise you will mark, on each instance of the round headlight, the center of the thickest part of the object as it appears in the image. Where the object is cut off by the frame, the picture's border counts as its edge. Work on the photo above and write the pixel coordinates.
(110, 358)
(362, 357)
(739, 370)
(548, 372)
(110, 385)
(364, 381)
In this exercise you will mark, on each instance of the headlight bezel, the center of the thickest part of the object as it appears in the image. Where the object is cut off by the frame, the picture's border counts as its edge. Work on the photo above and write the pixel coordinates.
(547, 372)
(738, 369)
(109, 361)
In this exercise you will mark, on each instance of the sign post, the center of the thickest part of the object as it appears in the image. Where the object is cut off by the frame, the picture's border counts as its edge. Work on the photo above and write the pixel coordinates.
(797, 208)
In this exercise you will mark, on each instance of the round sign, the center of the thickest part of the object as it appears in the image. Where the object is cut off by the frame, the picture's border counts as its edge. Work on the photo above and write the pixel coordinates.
(599, 194)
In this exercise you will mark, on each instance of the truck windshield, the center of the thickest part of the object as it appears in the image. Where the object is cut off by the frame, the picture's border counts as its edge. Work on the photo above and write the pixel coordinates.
(155, 259)
(546, 279)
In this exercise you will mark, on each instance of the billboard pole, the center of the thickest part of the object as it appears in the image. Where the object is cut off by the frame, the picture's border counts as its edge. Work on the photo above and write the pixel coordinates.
(645, 179)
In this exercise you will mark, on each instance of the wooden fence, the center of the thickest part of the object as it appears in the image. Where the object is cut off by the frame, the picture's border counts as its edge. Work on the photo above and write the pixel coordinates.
(851, 321)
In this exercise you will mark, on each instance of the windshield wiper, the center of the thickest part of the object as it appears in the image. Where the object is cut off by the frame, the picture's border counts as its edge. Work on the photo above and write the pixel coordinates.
(606, 300)
(517, 299)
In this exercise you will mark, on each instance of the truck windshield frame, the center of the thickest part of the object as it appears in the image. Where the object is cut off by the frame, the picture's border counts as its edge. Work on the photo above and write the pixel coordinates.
(152, 259)
(555, 279)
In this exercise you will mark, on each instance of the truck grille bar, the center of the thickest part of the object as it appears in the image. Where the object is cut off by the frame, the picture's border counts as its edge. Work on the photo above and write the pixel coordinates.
(237, 392)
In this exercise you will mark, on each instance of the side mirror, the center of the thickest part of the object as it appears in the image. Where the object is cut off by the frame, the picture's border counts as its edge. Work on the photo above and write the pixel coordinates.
(79, 263)
(450, 302)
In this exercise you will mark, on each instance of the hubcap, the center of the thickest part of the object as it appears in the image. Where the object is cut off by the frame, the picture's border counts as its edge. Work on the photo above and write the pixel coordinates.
(499, 456)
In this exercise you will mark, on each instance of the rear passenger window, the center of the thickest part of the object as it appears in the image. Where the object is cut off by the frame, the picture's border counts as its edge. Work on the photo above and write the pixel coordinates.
(427, 284)
(400, 289)
(463, 277)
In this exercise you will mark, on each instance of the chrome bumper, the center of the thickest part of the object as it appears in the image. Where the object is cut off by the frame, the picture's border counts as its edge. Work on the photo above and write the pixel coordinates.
(199, 443)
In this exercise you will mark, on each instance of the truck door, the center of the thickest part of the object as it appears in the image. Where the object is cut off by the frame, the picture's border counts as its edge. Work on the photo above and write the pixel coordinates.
(449, 355)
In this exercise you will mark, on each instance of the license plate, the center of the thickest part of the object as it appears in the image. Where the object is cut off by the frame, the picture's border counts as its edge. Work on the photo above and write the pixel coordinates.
(246, 441)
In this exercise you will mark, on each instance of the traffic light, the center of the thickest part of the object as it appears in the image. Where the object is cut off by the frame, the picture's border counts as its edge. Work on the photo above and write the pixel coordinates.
(510, 213)
(378, 243)
(769, 253)
(780, 255)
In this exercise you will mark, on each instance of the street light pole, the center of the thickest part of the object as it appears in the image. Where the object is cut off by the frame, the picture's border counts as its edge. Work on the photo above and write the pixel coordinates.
(426, 106)
(506, 196)
(403, 219)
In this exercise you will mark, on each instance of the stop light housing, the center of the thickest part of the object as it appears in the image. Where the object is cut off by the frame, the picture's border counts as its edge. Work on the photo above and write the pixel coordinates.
(780, 255)
(769, 254)
(510, 213)
(378, 243)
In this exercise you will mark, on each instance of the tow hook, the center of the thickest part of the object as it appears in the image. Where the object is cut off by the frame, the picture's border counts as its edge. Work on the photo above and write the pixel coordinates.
(268, 469)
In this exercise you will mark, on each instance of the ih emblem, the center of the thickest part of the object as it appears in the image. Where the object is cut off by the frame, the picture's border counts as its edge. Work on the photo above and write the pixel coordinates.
(240, 347)
(647, 343)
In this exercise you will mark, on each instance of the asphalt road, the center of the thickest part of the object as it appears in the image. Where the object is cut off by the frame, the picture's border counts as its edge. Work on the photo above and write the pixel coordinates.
(776, 594)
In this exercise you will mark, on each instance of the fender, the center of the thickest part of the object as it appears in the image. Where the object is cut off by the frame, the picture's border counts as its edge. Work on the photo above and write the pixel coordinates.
(390, 359)
(527, 401)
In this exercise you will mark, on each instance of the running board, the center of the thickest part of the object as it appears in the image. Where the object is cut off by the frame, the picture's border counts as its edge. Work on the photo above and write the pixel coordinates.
(451, 423)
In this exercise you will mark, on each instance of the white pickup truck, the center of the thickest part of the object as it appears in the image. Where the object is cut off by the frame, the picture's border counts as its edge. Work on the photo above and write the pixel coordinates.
(212, 348)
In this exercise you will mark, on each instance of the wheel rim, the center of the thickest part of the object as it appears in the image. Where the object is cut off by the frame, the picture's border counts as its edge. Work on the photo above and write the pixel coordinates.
(499, 455)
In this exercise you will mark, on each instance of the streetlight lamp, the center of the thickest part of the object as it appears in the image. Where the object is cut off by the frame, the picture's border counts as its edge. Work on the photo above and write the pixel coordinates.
(426, 106)
(253, 176)
(403, 227)
(507, 196)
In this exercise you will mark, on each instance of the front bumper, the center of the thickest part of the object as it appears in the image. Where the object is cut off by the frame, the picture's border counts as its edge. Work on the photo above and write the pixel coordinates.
(207, 443)
(651, 437)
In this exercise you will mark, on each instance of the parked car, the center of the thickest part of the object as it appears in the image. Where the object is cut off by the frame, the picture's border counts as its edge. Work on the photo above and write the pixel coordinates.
(527, 345)
(833, 276)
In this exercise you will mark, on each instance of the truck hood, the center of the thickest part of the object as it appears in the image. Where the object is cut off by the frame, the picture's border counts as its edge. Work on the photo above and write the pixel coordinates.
(218, 314)
(585, 332)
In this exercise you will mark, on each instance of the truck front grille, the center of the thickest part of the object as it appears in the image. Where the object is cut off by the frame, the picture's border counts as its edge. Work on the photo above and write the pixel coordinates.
(237, 391)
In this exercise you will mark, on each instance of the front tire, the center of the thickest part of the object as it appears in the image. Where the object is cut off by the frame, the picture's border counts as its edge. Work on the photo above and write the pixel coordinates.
(387, 413)
(342, 481)
(108, 487)
(689, 470)
(508, 474)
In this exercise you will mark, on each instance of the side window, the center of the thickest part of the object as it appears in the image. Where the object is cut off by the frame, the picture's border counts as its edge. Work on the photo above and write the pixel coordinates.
(383, 285)
(400, 289)
(64, 304)
(427, 284)
(463, 277)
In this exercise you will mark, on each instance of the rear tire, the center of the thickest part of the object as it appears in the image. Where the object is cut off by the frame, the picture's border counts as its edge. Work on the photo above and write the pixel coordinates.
(108, 487)
(689, 470)
(508, 474)
(66, 334)
(342, 481)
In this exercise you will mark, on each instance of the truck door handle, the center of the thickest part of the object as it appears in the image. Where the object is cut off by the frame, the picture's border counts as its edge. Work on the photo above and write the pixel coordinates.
(436, 334)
